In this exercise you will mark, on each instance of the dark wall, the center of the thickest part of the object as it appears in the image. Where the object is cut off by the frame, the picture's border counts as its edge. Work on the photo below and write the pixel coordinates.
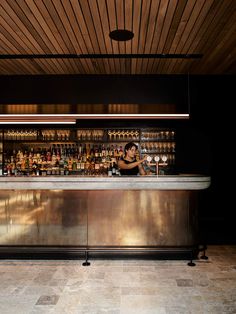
(93, 89)
(205, 143)
(212, 117)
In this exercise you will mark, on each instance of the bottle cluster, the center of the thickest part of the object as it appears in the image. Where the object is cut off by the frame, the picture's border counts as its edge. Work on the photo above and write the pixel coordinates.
(65, 159)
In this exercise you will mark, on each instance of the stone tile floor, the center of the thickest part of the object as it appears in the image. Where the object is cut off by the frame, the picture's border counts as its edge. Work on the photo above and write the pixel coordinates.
(120, 286)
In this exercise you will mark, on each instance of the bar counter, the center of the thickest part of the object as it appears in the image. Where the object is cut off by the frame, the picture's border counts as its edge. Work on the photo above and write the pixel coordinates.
(73, 216)
(179, 182)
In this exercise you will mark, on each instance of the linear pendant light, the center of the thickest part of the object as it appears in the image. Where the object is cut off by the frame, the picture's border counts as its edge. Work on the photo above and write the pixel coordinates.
(103, 56)
(36, 119)
(71, 118)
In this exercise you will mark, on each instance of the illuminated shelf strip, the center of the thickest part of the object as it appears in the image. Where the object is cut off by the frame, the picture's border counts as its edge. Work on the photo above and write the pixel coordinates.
(133, 116)
(36, 119)
(36, 122)
(63, 118)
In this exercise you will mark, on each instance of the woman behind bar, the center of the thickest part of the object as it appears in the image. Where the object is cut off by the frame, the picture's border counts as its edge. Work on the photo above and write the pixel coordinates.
(128, 164)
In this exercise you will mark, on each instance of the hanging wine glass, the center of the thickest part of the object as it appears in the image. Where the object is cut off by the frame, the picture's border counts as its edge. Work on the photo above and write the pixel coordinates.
(118, 134)
(109, 134)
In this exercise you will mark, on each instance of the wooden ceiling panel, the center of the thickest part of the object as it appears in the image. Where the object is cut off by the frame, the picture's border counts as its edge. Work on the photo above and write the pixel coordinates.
(52, 29)
(111, 12)
(120, 17)
(165, 30)
(152, 20)
(160, 14)
(105, 28)
(137, 11)
(196, 27)
(215, 35)
(128, 23)
(18, 27)
(186, 29)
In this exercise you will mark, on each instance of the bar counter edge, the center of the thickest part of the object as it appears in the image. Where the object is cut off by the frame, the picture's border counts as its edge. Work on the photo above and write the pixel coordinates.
(177, 182)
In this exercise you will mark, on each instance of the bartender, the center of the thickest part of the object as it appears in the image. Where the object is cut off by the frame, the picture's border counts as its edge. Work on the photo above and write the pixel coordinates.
(128, 164)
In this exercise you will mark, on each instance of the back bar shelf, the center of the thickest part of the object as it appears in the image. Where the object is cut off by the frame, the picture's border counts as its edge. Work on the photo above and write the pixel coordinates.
(69, 151)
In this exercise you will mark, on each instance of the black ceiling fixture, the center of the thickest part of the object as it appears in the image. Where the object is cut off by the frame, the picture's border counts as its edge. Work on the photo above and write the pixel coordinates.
(121, 35)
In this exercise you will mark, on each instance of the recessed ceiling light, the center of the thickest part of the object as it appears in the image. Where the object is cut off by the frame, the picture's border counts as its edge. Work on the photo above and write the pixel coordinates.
(121, 35)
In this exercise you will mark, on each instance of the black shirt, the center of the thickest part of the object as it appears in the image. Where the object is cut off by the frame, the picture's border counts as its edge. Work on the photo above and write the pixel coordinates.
(129, 172)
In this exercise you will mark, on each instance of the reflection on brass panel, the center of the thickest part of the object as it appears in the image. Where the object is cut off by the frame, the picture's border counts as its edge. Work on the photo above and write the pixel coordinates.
(115, 218)
(140, 218)
(43, 218)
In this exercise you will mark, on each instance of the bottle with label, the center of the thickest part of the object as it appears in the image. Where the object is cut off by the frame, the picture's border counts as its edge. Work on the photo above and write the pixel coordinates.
(114, 169)
(110, 170)
(121, 152)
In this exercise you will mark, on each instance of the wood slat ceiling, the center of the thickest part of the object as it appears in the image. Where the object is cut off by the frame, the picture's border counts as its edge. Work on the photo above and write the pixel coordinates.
(50, 27)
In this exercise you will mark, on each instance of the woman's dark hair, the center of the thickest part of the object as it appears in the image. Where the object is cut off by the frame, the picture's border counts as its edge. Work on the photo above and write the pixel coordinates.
(130, 145)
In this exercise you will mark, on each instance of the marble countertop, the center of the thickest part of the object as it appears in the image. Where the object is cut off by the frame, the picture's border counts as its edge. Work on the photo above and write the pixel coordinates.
(177, 182)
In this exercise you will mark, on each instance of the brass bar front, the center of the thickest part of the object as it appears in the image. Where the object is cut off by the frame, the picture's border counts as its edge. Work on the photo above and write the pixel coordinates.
(43, 217)
(98, 218)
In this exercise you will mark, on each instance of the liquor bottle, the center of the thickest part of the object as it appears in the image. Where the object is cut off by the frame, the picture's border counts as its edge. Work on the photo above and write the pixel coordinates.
(103, 151)
(69, 164)
(116, 152)
(97, 168)
(110, 170)
(112, 150)
(117, 171)
(121, 151)
(34, 168)
(61, 167)
(74, 165)
(66, 170)
(92, 153)
(5, 170)
(114, 169)
(96, 153)
(54, 157)
(48, 156)
(80, 150)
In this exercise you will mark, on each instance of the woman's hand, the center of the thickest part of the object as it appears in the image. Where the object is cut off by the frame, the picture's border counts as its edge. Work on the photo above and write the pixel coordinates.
(144, 158)
(141, 169)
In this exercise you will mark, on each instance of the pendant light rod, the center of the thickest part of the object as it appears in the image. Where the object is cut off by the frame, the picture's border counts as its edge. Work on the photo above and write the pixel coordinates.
(101, 56)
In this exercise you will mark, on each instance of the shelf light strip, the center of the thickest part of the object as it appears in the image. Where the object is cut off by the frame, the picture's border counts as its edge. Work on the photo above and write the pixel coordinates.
(36, 119)
(36, 122)
(64, 118)
(135, 116)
